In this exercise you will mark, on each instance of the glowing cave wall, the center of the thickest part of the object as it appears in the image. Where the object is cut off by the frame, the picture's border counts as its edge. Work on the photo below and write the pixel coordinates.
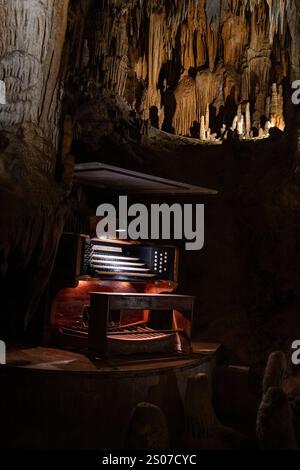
(197, 68)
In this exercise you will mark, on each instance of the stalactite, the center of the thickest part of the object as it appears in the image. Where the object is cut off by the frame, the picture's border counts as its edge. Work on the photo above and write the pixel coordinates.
(277, 16)
(111, 49)
(208, 88)
(213, 12)
(219, 50)
(293, 18)
(186, 111)
(235, 35)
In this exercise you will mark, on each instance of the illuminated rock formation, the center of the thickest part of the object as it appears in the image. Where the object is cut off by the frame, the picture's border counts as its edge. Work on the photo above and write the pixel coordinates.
(215, 54)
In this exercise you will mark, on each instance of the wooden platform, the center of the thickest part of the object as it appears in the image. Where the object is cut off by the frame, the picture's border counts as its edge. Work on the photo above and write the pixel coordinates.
(57, 399)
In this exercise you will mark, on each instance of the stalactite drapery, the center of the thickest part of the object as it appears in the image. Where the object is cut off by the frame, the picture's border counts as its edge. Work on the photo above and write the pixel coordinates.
(217, 53)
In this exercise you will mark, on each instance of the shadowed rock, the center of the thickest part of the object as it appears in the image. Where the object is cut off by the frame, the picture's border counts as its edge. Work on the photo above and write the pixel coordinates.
(274, 424)
(202, 427)
(275, 371)
(148, 429)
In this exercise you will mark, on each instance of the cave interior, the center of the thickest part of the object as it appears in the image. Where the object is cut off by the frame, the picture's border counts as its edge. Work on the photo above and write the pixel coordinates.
(199, 92)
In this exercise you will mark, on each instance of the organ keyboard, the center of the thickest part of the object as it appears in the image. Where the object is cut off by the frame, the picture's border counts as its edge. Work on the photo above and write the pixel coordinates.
(127, 261)
(115, 297)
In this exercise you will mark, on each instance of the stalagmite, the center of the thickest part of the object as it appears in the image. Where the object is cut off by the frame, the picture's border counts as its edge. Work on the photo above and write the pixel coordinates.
(275, 371)
(248, 120)
(202, 128)
(200, 415)
(268, 126)
(148, 429)
(207, 118)
(234, 123)
(276, 107)
(240, 125)
(274, 422)
(202, 427)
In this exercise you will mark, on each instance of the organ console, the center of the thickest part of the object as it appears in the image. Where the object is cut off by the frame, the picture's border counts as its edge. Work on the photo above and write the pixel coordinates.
(116, 297)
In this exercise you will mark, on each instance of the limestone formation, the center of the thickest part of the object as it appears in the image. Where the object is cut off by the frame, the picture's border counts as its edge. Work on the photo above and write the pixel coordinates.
(275, 371)
(32, 199)
(274, 425)
(208, 54)
(148, 429)
(202, 427)
(201, 420)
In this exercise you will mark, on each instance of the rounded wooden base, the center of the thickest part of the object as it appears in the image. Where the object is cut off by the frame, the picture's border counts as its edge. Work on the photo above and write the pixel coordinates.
(56, 399)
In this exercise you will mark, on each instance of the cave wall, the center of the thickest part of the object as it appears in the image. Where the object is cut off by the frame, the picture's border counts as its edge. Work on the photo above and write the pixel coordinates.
(33, 190)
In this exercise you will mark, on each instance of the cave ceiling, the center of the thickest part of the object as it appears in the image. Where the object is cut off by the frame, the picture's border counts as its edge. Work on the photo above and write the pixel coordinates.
(194, 68)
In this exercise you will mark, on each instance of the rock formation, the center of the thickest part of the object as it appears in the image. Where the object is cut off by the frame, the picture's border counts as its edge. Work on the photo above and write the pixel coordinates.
(275, 371)
(275, 423)
(217, 55)
(32, 36)
(203, 430)
(148, 429)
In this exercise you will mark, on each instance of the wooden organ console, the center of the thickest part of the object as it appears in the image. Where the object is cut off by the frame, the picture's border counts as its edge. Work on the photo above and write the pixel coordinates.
(113, 297)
